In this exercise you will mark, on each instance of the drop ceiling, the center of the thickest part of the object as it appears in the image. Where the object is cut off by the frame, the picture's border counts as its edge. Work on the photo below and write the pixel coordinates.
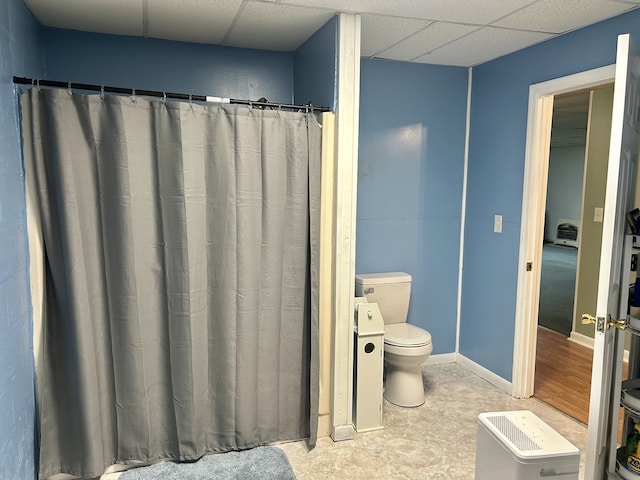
(446, 32)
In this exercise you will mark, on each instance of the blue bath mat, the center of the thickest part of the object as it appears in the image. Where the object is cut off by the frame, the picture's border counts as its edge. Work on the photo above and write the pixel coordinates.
(260, 463)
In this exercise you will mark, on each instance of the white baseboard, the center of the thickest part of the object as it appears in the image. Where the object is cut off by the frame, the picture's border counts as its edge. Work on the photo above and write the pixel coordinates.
(441, 359)
(343, 432)
(581, 339)
(485, 374)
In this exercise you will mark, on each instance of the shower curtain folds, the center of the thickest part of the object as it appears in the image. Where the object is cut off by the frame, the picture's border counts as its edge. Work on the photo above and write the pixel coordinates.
(180, 278)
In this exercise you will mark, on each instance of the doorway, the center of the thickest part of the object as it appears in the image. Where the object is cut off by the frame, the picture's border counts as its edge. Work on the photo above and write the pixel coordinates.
(538, 145)
(563, 211)
(577, 169)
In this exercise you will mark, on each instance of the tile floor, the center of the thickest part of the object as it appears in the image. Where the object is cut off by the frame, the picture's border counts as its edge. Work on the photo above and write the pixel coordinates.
(434, 441)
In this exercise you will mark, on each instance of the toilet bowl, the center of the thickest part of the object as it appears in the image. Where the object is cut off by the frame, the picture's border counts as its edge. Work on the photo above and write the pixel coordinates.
(406, 346)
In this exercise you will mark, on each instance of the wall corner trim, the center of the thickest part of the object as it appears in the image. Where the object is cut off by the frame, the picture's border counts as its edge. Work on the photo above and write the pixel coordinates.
(346, 177)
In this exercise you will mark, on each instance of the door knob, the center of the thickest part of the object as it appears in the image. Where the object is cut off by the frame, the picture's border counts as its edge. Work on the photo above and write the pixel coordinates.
(619, 324)
(600, 323)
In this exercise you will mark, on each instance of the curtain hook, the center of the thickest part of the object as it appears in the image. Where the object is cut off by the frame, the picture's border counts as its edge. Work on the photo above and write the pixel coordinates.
(102, 92)
(190, 99)
(164, 97)
(69, 88)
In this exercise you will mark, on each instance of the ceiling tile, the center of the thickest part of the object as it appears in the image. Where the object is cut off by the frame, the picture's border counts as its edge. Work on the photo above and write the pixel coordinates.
(381, 32)
(432, 37)
(200, 21)
(481, 46)
(118, 17)
(398, 29)
(275, 26)
(461, 11)
(559, 17)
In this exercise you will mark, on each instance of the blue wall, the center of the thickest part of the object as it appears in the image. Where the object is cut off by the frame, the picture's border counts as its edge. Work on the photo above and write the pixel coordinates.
(19, 55)
(316, 64)
(496, 168)
(164, 65)
(410, 177)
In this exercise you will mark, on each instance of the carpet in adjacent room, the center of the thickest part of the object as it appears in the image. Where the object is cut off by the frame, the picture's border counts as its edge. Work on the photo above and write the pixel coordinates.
(557, 288)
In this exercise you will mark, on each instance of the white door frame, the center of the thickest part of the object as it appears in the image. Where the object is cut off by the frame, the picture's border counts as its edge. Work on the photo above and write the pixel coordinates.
(532, 219)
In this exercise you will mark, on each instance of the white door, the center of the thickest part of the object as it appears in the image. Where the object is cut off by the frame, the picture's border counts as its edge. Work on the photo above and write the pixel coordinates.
(614, 276)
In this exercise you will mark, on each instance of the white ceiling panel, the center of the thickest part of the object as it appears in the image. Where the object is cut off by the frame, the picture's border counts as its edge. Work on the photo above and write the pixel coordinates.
(459, 11)
(200, 21)
(381, 32)
(481, 46)
(277, 27)
(118, 17)
(555, 16)
(434, 36)
(426, 31)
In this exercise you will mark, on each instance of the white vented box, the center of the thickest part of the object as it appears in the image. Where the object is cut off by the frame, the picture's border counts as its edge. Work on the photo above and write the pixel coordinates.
(519, 446)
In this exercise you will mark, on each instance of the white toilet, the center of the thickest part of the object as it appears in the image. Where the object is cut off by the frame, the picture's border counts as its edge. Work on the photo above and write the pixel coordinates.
(406, 347)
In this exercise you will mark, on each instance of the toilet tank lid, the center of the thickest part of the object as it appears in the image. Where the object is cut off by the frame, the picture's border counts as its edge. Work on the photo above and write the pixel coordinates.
(381, 278)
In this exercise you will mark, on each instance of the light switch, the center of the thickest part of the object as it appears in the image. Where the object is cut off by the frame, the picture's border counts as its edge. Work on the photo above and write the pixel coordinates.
(598, 213)
(497, 223)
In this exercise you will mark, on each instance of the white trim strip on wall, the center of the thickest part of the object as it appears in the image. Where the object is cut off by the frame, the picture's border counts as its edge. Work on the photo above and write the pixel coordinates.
(463, 211)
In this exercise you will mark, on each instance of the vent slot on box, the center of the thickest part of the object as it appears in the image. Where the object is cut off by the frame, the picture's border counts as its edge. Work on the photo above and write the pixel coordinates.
(514, 434)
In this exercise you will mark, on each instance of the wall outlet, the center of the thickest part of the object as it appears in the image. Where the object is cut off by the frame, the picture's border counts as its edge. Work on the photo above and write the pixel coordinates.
(497, 223)
(598, 213)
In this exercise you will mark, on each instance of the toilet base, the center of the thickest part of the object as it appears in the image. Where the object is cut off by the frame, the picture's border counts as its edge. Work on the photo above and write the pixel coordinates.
(404, 386)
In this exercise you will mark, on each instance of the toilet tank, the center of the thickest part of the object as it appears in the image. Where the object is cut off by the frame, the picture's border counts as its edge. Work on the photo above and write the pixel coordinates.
(390, 290)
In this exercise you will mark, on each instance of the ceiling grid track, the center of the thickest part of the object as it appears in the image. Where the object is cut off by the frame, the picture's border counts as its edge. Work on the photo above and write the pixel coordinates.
(145, 18)
(234, 22)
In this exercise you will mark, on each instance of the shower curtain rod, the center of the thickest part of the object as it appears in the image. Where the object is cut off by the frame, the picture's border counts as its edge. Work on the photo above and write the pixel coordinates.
(261, 103)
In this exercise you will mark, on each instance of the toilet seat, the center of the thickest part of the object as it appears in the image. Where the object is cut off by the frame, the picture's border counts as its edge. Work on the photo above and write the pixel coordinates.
(405, 335)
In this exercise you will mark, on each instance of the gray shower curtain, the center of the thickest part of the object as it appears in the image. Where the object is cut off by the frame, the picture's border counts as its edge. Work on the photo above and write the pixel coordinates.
(180, 278)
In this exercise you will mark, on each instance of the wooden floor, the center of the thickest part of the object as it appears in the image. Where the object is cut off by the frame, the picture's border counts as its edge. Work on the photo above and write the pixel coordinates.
(563, 374)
